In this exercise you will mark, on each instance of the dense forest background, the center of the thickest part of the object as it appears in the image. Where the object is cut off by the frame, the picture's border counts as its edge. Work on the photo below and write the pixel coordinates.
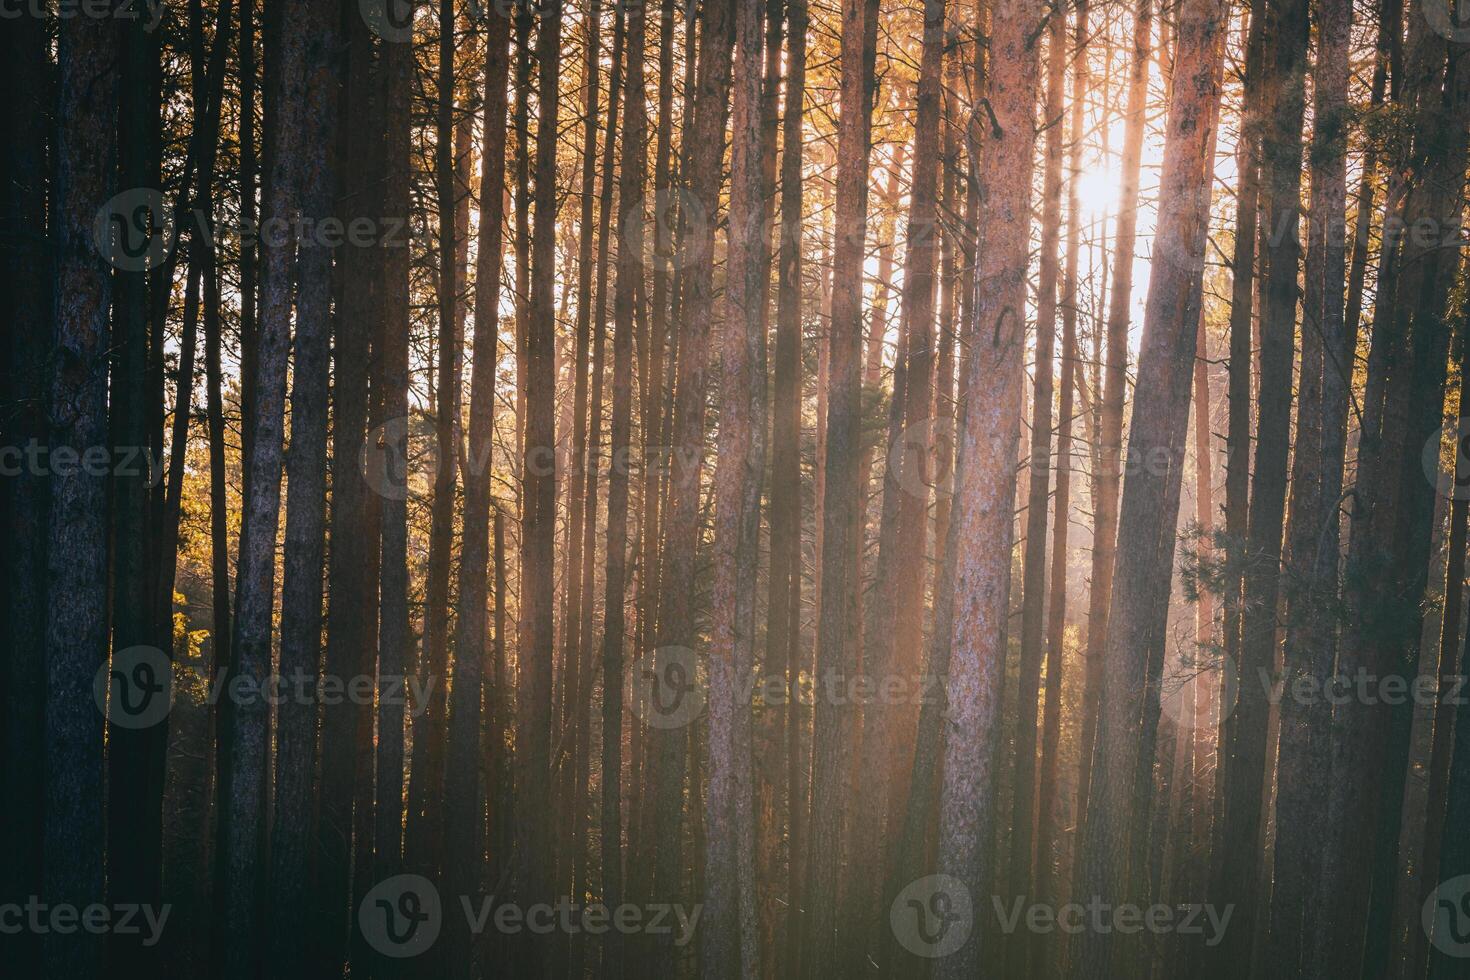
(759, 488)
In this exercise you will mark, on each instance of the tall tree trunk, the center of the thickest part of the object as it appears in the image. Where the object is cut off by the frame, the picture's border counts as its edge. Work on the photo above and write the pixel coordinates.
(730, 941)
(1281, 175)
(135, 786)
(244, 784)
(577, 463)
(842, 504)
(1316, 481)
(676, 627)
(589, 644)
(306, 493)
(1454, 855)
(897, 626)
(1114, 393)
(626, 312)
(424, 834)
(463, 794)
(24, 497)
(1158, 430)
(538, 517)
(245, 56)
(1256, 101)
(1047, 883)
(783, 625)
(983, 524)
(352, 584)
(76, 572)
(1033, 604)
(395, 638)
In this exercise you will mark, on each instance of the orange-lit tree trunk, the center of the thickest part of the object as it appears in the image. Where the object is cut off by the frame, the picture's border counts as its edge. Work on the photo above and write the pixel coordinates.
(983, 524)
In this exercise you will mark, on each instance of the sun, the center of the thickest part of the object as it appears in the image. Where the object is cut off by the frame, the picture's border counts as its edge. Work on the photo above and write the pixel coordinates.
(1098, 189)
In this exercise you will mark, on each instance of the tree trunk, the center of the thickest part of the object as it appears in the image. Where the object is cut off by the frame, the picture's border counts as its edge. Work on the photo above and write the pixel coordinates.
(783, 624)
(577, 463)
(1281, 174)
(1390, 544)
(135, 785)
(24, 497)
(896, 634)
(463, 794)
(306, 470)
(1033, 604)
(244, 784)
(1047, 881)
(842, 504)
(589, 643)
(352, 587)
(1158, 430)
(1316, 480)
(1114, 393)
(1255, 113)
(535, 842)
(76, 575)
(730, 941)
(626, 312)
(424, 834)
(982, 518)
(395, 639)
(676, 627)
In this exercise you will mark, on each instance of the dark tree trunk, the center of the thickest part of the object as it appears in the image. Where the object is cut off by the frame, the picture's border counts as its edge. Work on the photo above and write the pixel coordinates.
(306, 491)
(24, 497)
(76, 574)
(135, 785)
(1149, 511)
(244, 783)
(1389, 549)
(395, 638)
(626, 312)
(1281, 175)
(538, 517)
(588, 643)
(1316, 484)
(896, 635)
(352, 612)
(567, 786)
(1254, 116)
(424, 833)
